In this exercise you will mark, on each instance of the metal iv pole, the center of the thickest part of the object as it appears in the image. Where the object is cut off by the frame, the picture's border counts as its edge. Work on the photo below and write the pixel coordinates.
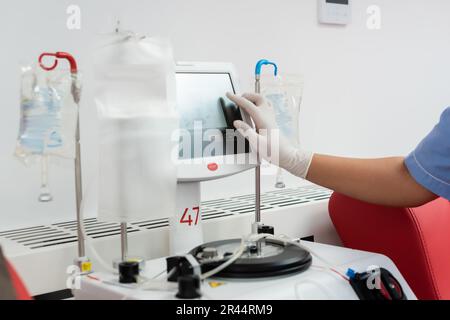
(257, 222)
(82, 261)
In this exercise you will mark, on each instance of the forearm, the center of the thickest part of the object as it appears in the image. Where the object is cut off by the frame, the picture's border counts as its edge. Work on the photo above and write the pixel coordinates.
(381, 181)
(384, 181)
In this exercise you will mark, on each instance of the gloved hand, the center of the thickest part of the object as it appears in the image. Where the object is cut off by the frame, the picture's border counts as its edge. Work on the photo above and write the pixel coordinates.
(267, 139)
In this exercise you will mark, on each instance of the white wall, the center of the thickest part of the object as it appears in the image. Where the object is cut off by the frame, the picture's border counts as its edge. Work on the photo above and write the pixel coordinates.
(368, 93)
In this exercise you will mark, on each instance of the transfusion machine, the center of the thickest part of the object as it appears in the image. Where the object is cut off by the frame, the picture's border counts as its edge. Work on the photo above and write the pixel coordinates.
(261, 265)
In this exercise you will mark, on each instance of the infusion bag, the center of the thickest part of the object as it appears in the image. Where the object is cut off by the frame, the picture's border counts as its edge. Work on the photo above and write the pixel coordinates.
(285, 94)
(48, 114)
(135, 99)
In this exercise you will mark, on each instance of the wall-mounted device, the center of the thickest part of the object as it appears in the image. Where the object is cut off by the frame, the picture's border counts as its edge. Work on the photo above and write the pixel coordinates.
(334, 11)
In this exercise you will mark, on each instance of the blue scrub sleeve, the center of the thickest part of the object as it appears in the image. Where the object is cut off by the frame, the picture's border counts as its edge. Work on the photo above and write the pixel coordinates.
(429, 163)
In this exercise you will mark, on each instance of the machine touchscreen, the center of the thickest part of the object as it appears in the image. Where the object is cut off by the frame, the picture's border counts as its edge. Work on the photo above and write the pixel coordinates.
(206, 114)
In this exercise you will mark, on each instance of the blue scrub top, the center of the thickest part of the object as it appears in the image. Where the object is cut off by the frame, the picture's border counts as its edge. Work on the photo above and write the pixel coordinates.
(429, 163)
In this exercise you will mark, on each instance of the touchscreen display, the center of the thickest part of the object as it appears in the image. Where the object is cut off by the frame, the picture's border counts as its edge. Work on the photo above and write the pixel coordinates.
(206, 114)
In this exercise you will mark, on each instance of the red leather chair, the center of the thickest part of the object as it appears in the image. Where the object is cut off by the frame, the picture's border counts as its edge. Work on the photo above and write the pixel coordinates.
(416, 239)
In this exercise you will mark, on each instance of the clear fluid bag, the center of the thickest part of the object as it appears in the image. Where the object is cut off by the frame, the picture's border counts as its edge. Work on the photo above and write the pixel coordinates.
(48, 114)
(135, 98)
(48, 119)
(285, 94)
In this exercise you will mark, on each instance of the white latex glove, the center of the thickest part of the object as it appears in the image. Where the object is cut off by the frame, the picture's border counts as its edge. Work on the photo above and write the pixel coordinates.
(267, 136)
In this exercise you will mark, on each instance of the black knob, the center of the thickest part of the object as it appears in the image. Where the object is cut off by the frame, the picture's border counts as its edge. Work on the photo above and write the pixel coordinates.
(253, 249)
(266, 229)
(128, 271)
(188, 287)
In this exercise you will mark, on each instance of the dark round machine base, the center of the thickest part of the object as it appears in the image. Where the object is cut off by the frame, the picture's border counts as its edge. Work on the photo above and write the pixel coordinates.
(276, 258)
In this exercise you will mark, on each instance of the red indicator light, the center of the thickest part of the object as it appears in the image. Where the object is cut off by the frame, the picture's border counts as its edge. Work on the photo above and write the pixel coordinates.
(212, 166)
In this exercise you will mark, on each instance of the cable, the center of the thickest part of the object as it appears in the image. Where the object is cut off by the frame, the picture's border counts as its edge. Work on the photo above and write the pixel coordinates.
(159, 274)
(87, 239)
(141, 286)
(236, 255)
(257, 237)
(330, 266)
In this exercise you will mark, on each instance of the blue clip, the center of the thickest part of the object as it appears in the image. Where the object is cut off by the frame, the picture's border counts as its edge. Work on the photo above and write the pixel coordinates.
(350, 273)
(263, 62)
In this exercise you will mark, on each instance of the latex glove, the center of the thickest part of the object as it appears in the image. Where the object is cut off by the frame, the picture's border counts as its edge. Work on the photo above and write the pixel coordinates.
(267, 139)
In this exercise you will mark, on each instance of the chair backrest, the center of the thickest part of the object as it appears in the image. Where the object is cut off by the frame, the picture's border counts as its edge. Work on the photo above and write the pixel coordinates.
(416, 239)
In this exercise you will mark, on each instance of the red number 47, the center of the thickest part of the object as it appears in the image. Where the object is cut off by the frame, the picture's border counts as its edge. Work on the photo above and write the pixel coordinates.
(188, 219)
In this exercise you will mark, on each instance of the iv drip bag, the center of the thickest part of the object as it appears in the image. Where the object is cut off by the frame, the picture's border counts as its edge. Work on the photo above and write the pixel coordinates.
(135, 99)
